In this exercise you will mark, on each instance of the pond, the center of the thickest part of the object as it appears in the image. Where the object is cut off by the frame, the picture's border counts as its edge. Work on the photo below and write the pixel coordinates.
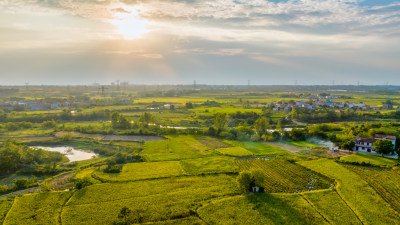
(71, 153)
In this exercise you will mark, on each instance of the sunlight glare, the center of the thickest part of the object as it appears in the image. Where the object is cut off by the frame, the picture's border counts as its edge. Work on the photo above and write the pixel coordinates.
(130, 25)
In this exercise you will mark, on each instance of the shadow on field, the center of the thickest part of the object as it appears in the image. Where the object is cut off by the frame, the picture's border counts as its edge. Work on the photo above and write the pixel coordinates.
(276, 209)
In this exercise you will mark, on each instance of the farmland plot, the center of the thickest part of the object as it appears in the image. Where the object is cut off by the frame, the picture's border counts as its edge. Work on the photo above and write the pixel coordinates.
(176, 147)
(144, 170)
(158, 200)
(384, 181)
(360, 197)
(41, 208)
(283, 176)
(261, 209)
(217, 164)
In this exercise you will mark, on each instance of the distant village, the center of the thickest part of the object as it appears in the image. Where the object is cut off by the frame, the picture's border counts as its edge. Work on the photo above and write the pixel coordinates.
(318, 102)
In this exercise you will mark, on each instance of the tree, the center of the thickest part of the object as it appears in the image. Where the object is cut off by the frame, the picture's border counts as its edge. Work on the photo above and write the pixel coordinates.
(247, 179)
(383, 146)
(244, 181)
(220, 121)
(261, 125)
(349, 145)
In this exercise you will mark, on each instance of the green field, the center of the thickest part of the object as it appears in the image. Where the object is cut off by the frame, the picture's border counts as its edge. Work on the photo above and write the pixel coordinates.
(368, 158)
(384, 181)
(234, 151)
(303, 144)
(175, 147)
(42, 208)
(217, 164)
(261, 209)
(5, 206)
(330, 205)
(283, 176)
(359, 196)
(144, 170)
(159, 200)
(260, 148)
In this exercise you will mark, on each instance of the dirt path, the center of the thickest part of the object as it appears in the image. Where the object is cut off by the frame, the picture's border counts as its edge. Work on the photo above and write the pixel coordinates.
(25, 191)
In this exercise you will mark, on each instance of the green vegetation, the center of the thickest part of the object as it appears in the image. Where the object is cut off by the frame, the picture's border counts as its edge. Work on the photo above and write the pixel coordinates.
(284, 176)
(368, 159)
(176, 147)
(207, 165)
(184, 156)
(144, 170)
(42, 208)
(5, 206)
(261, 209)
(234, 151)
(384, 181)
(159, 200)
(359, 196)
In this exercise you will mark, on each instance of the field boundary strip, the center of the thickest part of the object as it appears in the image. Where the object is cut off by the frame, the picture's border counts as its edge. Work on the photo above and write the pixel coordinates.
(59, 220)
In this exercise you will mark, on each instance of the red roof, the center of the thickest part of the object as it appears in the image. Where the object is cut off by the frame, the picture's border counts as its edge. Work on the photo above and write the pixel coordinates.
(382, 136)
(368, 140)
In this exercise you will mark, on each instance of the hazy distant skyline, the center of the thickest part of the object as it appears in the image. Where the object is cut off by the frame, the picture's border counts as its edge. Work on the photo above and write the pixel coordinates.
(211, 41)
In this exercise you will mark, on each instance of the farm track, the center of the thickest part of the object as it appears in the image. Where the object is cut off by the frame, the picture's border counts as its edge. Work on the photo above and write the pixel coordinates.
(59, 221)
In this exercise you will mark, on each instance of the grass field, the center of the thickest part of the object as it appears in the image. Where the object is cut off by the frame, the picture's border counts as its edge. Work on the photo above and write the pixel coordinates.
(260, 148)
(283, 176)
(175, 147)
(360, 197)
(5, 206)
(261, 209)
(144, 170)
(41, 209)
(368, 158)
(213, 143)
(384, 181)
(303, 144)
(235, 151)
(217, 164)
(331, 206)
(159, 200)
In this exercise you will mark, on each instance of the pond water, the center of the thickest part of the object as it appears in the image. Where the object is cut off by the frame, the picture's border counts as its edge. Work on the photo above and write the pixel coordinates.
(71, 153)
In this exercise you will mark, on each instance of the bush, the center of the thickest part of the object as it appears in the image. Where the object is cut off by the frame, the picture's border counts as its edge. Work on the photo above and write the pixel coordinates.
(81, 183)
(113, 169)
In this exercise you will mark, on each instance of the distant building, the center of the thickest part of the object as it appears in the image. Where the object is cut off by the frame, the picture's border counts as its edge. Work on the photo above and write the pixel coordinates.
(367, 144)
(387, 106)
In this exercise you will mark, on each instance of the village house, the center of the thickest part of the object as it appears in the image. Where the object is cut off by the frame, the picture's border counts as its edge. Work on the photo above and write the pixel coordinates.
(367, 144)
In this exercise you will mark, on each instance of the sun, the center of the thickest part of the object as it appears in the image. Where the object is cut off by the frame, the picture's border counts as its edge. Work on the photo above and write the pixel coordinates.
(130, 25)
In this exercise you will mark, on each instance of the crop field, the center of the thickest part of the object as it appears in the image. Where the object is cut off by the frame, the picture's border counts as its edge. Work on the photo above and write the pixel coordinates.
(175, 147)
(213, 143)
(42, 208)
(5, 206)
(235, 151)
(283, 176)
(368, 158)
(158, 200)
(210, 111)
(261, 209)
(331, 206)
(144, 170)
(259, 148)
(384, 181)
(217, 164)
(359, 196)
(303, 144)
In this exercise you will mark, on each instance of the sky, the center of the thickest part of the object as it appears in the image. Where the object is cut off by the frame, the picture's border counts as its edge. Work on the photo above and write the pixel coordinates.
(268, 42)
